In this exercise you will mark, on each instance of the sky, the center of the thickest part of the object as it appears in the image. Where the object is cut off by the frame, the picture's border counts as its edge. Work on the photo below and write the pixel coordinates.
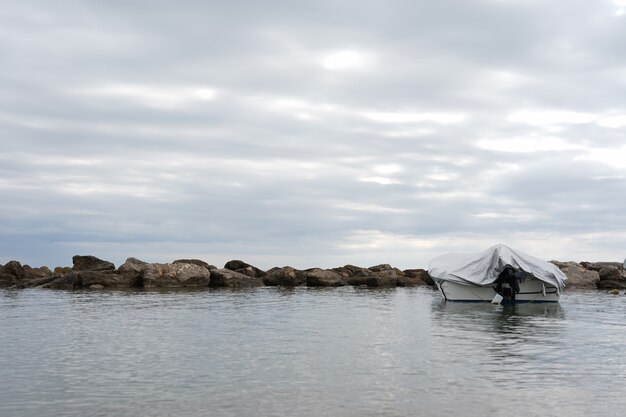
(311, 133)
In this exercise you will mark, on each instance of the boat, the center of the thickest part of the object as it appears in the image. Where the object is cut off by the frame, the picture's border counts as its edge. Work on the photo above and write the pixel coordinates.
(497, 275)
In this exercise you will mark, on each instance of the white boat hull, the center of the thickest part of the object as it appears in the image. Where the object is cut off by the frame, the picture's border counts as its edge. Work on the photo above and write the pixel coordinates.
(531, 290)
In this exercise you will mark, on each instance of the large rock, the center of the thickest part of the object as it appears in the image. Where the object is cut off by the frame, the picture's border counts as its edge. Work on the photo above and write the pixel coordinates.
(36, 273)
(132, 265)
(415, 277)
(232, 279)
(360, 278)
(323, 278)
(65, 282)
(347, 271)
(96, 279)
(609, 285)
(34, 277)
(195, 262)
(174, 275)
(131, 272)
(37, 282)
(87, 279)
(285, 276)
(11, 274)
(62, 270)
(384, 278)
(597, 266)
(611, 273)
(91, 263)
(381, 267)
(577, 275)
(244, 268)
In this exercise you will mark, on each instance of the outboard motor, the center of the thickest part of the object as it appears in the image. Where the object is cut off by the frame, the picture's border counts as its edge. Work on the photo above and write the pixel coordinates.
(507, 285)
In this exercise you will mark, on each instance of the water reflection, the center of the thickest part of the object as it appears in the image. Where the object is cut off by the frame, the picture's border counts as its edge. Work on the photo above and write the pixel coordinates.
(510, 345)
(507, 318)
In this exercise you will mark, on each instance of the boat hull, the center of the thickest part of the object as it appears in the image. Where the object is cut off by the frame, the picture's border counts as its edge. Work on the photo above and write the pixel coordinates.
(531, 290)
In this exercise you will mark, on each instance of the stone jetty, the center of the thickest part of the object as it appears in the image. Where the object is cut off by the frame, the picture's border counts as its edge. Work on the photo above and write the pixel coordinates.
(91, 272)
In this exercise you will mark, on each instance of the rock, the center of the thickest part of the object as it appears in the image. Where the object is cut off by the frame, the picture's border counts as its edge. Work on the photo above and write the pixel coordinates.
(610, 273)
(65, 282)
(132, 265)
(577, 275)
(62, 270)
(614, 291)
(414, 277)
(323, 278)
(285, 276)
(249, 271)
(244, 268)
(91, 263)
(14, 268)
(195, 262)
(360, 278)
(381, 267)
(347, 271)
(35, 273)
(175, 275)
(232, 279)
(133, 270)
(597, 266)
(11, 274)
(609, 285)
(37, 282)
(384, 278)
(92, 278)
(96, 287)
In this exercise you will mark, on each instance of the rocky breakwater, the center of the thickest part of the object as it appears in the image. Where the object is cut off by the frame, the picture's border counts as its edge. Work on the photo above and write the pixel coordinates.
(600, 275)
(94, 273)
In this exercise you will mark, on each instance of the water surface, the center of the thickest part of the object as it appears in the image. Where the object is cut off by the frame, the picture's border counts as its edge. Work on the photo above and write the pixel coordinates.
(307, 352)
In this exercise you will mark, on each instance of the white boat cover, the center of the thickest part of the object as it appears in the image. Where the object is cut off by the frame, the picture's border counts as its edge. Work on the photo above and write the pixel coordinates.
(483, 268)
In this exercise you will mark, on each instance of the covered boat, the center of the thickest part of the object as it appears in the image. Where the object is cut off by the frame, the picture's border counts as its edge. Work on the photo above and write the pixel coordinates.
(499, 274)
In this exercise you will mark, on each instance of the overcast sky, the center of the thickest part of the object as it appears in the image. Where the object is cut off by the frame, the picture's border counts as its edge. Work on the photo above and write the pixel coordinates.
(311, 133)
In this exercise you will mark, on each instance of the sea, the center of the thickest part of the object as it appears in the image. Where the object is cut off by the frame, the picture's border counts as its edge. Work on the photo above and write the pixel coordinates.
(308, 352)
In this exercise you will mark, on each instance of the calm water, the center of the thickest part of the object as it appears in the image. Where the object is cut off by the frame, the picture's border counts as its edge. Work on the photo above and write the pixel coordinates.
(308, 352)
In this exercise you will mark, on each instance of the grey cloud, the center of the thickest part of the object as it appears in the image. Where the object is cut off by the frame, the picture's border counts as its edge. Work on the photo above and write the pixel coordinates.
(114, 144)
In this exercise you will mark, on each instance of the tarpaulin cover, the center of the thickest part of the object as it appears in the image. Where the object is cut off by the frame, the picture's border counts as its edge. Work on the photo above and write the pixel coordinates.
(482, 269)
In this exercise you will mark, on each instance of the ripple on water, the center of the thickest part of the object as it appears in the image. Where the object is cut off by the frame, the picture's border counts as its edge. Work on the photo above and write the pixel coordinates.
(307, 352)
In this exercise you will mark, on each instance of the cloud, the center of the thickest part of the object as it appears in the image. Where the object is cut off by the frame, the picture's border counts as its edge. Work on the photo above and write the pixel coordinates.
(311, 133)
